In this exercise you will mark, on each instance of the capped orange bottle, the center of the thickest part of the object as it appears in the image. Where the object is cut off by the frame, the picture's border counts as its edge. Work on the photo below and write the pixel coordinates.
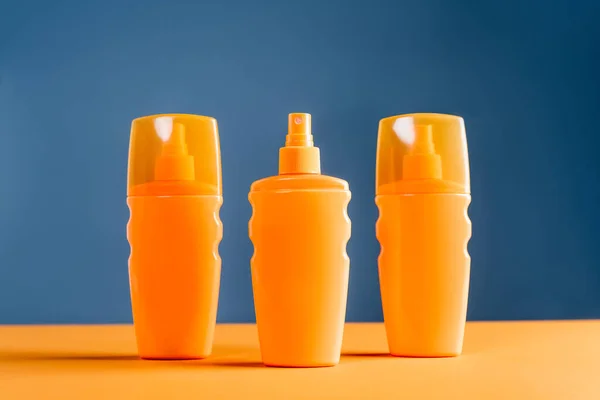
(300, 228)
(174, 196)
(423, 192)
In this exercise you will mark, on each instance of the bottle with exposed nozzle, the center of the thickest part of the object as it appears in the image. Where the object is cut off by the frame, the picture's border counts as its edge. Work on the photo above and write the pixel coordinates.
(174, 197)
(174, 162)
(422, 162)
(299, 229)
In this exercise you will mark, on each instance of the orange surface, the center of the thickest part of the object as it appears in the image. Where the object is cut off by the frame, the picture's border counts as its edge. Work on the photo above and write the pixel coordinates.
(299, 229)
(514, 360)
(174, 195)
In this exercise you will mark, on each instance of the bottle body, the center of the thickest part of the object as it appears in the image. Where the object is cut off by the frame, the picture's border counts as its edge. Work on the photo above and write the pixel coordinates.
(300, 274)
(174, 272)
(424, 269)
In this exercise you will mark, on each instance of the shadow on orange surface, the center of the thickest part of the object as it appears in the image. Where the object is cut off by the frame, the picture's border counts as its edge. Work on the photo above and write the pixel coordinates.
(366, 354)
(60, 356)
(229, 363)
(123, 360)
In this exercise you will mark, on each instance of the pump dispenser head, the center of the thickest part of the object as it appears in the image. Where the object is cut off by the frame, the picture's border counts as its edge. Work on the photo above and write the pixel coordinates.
(299, 156)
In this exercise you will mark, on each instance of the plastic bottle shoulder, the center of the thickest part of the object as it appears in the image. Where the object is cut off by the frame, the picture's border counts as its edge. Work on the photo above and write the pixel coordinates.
(299, 182)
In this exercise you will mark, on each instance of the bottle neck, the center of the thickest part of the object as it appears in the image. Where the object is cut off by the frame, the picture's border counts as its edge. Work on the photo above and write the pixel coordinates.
(299, 160)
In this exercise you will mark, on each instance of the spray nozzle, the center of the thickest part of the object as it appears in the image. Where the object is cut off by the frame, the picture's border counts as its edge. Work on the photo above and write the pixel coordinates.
(299, 130)
(174, 163)
(299, 156)
(422, 162)
(423, 141)
(175, 144)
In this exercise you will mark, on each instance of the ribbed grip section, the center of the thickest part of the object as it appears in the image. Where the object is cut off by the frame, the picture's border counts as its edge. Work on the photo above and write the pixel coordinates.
(300, 274)
(424, 270)
(174, 272)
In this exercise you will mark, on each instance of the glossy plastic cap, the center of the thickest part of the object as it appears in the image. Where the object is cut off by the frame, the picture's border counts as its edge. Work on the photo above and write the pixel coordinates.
(422, 153)
(174, 154)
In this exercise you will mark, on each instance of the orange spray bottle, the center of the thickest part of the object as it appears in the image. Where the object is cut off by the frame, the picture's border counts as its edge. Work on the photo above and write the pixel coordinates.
(174, 196)
(300, 228)
(423, 193)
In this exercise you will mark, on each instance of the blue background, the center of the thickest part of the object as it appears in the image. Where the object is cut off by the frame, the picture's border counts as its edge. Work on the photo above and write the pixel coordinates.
(525, 75)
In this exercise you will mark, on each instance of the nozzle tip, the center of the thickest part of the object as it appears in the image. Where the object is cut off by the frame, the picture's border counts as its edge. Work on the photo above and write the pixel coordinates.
(176, 144)
(424, 141)
(299, 124)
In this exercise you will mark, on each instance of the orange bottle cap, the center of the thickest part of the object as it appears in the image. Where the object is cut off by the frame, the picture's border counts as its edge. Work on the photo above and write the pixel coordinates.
(422, 153)
(174, 154)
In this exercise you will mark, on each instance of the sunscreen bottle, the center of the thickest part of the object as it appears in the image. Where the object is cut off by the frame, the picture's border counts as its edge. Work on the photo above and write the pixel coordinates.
(174, 197)
(300, 228)
(423, 193)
